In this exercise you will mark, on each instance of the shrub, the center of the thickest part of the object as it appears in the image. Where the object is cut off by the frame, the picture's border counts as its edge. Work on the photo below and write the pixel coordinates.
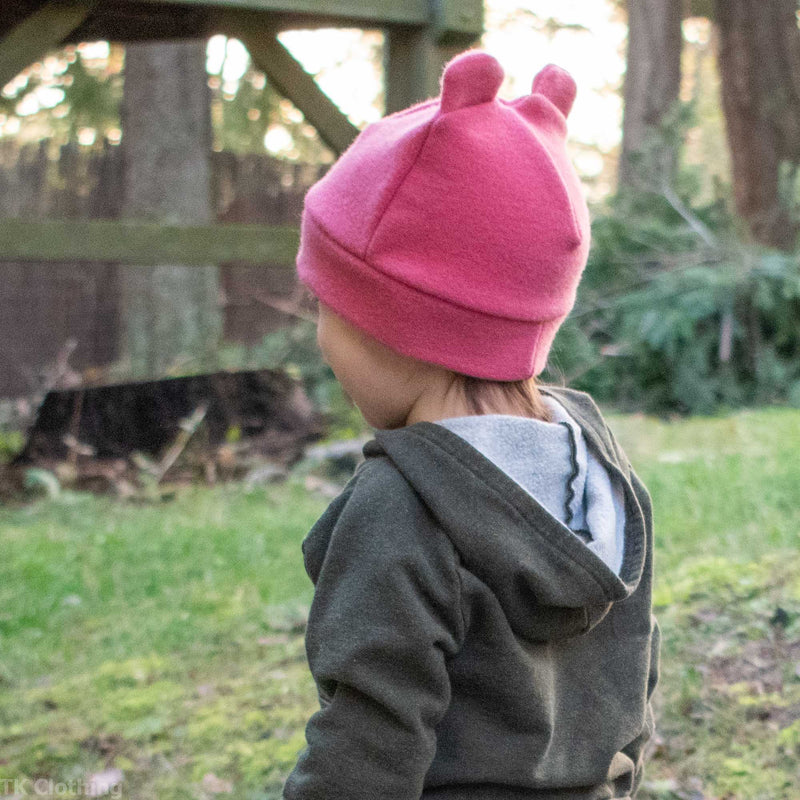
(674, 316)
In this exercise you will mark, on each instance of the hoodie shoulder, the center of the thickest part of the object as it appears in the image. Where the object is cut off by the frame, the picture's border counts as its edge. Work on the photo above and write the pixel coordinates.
(380, 511)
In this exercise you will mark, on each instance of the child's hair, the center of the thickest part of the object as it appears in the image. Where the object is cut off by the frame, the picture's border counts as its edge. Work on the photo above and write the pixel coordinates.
(522, 397)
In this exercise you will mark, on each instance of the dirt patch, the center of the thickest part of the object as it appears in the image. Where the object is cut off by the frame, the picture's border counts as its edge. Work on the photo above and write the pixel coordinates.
(761, 664)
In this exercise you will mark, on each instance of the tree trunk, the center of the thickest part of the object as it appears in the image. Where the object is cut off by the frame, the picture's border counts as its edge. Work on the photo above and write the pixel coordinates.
(171, 319)
(652, 86)
(759, 63)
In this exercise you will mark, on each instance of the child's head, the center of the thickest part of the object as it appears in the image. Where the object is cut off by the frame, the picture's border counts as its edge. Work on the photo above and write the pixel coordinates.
(392, 390)
(453, 235)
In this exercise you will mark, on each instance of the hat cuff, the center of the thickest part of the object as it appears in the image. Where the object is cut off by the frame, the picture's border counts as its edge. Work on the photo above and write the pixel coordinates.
(419, 324)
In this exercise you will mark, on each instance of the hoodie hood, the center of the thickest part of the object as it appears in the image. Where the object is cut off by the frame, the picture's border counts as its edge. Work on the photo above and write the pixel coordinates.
(550, 460)
(549, 584)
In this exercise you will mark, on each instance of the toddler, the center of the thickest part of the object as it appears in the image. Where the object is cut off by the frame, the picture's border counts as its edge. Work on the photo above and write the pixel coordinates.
(481, 626)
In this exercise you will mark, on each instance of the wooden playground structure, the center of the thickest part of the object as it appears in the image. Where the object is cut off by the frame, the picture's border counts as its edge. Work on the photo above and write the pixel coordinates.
(420, 36)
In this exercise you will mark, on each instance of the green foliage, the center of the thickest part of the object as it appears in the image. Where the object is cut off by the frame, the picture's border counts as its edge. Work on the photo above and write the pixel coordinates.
(37, 478)
(676, 316)
(728, 694)
(73, 572)
(93, 99)
(166, 641)
(722, 487)
(293, 348)
(81, 87)
(66, 92)
(244, 109)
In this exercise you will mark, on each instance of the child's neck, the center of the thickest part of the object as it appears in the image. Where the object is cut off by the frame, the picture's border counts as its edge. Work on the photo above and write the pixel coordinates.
(440, 398)
(443, 399)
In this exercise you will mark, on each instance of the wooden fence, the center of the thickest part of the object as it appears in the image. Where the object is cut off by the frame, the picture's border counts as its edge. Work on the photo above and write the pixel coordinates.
(45, 306)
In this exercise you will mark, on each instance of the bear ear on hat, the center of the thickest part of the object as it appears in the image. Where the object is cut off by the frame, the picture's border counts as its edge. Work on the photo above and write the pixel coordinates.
(558, 86)
(469, 79)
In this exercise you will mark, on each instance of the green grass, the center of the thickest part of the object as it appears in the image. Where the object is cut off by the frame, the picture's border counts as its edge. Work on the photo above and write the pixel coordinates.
(726, 497)
(166, 640)
(727, 486)
(87, 578)
(162, 639)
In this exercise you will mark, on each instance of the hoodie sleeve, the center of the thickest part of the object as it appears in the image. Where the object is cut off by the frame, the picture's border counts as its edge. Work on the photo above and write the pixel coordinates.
(386, 615)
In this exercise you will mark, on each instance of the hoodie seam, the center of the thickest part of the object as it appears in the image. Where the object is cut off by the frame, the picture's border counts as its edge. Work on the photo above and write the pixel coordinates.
(570, 495)
(397, 188)
(460, 585)
(609, 450)
(600, 434)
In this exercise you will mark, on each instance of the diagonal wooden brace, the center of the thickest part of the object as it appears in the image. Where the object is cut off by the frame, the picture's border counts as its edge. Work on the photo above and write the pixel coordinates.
(286, 74)
(42, 31)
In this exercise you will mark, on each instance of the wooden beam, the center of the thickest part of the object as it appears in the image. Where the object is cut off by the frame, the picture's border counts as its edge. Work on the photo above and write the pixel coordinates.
(414, 57)
(286, 74)
(43, 30)
(413, 61)
(134, 20)
(458, 21)
(378, 12)
(125, 22)
(699, 8)
(147, 243)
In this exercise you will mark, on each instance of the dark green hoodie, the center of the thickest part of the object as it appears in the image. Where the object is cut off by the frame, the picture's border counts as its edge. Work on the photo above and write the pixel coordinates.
(466, 645)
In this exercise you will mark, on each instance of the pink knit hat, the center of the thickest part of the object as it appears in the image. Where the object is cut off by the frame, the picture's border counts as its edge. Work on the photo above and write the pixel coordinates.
(456, 231)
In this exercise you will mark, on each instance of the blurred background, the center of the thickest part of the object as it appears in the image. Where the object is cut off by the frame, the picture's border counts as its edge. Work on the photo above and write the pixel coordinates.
(169, 432)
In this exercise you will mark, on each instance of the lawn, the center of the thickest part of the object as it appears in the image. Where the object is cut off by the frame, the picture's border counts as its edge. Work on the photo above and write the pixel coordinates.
(165, 641)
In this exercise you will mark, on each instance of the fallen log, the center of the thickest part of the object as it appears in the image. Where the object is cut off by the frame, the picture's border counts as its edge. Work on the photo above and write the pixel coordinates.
(242, 416)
